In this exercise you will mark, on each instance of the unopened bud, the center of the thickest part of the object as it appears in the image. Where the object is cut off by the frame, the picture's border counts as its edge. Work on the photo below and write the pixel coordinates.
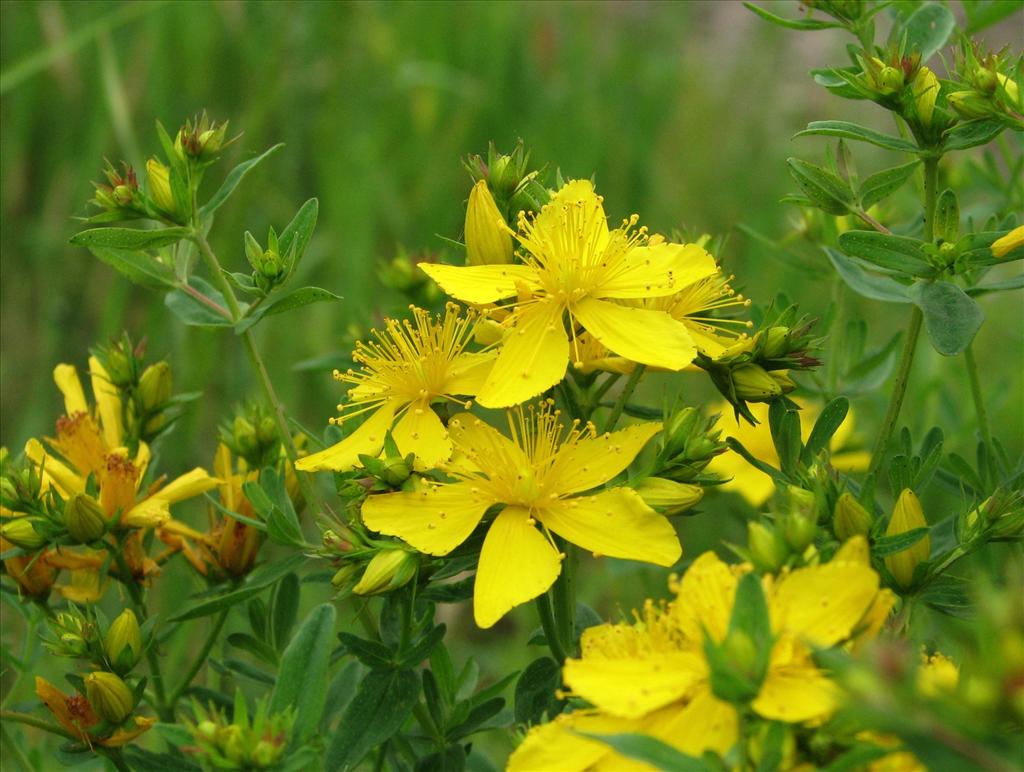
(971, 104)
(1009, 89)
(159, 177)
(754, 384)
(344, 575)
(123, 642)
(84, 518)
(488, 241)
(122, 195)
(850, 518)
(22, 533)
(775, 342)
(925, 89)
(109, 696)
(207, 730)
(768, 549)
(907, 516)
(800, 530)
(265, 753)
(155, 385)
(668, 496)
(231, 742)
(388, 570)
(890, 80)
(245, 435)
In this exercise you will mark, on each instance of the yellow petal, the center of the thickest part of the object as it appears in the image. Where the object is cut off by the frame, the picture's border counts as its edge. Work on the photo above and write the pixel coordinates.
(149, 513)
(66, 378)
(479, 284)
(420, 431)
(141, 461)
(795, 693)
(469, 372)
(123, 736)
(706, 594)
(822, 604)
(907, 515)
(367, 440)
(575, 206)
(649, 337)
(86, 586)
(705, 724)
(434, 520)
(57, 703)
(53, 471)
(1011, 241)
(533, 357)
(479, 441)
(616, 523)
(516, 565)
(187, 486)
(631, 687)
(108, 403)
(590, 462)
(557, 746)
(656, 270)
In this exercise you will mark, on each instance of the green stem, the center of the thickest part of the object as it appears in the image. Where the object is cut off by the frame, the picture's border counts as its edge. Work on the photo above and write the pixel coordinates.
(138, 603)
(600, 391)
(37, 723)
(564, 600)
(200, 659)
(899, 389)
(979, 402)
(547, 623)
(627, 392)
(305, 482)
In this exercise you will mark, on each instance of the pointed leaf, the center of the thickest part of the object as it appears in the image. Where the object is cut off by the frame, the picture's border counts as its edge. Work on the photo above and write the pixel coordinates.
(129, 238)
(884, 183)
(947, 217)
(828, 191)
(895, 253)
(855, 131)
(232, 181)
(864, 283)
(799, 24)
(302, 679)
(651, 750)
(138, 267)
(286, 301)
(972, 134)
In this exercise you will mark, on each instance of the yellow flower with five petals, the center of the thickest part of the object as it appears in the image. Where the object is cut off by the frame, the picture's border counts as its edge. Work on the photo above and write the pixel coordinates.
(535, 477)
(576, 265)
(410, 365)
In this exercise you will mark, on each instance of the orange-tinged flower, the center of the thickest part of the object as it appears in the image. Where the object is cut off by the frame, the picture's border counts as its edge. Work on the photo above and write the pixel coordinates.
(76, 715)
(33, 573)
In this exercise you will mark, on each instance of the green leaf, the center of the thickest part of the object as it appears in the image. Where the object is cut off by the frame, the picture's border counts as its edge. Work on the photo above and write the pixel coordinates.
(771, 471)
(302, 678)
(828, 191)
(972, 134)
(884, 183)
(285, 609)
(867, 284)
(975, 249)
(890, 545)
(800, 24)
(476, 718)
(231, 182)
(129, 238)
(947, 217)
(784, 423)
(256, 582)
(842, 81)
(985, 13)
(535, 690)
(196, 313)
(299, 231)
(281, 302)
(855, 131)
(254, 646)
(382, 703)
(1013, 283)
(828, 423)
(948, 594)
(927, 29)
(951, 317)
(895, 253)
(373, 654)
(138, 267)
(651, 750)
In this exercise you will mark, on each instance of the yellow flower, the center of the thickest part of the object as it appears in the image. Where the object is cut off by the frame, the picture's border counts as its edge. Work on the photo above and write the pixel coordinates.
(751, 483)
(575, 264)
(160, 185)
(33, 573)
(1011, 241)
(906, 516)
(652, 677)
(91, 443)
(535, 477)
(409, 366)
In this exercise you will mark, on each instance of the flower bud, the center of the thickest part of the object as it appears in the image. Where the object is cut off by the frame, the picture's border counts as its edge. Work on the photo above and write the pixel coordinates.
(971, 104)
(344, 575)
(245, 437)
(207, 730)
(109, 696)
(22, 533)
(488, 240)
(388, 570)
(800, 530)
(123, 642)
(1001, 247)
(754, 384)
(785, 383)
(849, 518)
(774, 342)
(265, 753)
(668, 496)
(84, 518)
(907, 516)
(155, 385)
(768, 549)
(231, 741)
(237, 547)
(1009, 88)
(890, 80)
(925, 89)
(159, 177)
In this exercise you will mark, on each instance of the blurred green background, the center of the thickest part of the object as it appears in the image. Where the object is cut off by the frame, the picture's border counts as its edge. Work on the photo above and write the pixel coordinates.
(683, 111)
